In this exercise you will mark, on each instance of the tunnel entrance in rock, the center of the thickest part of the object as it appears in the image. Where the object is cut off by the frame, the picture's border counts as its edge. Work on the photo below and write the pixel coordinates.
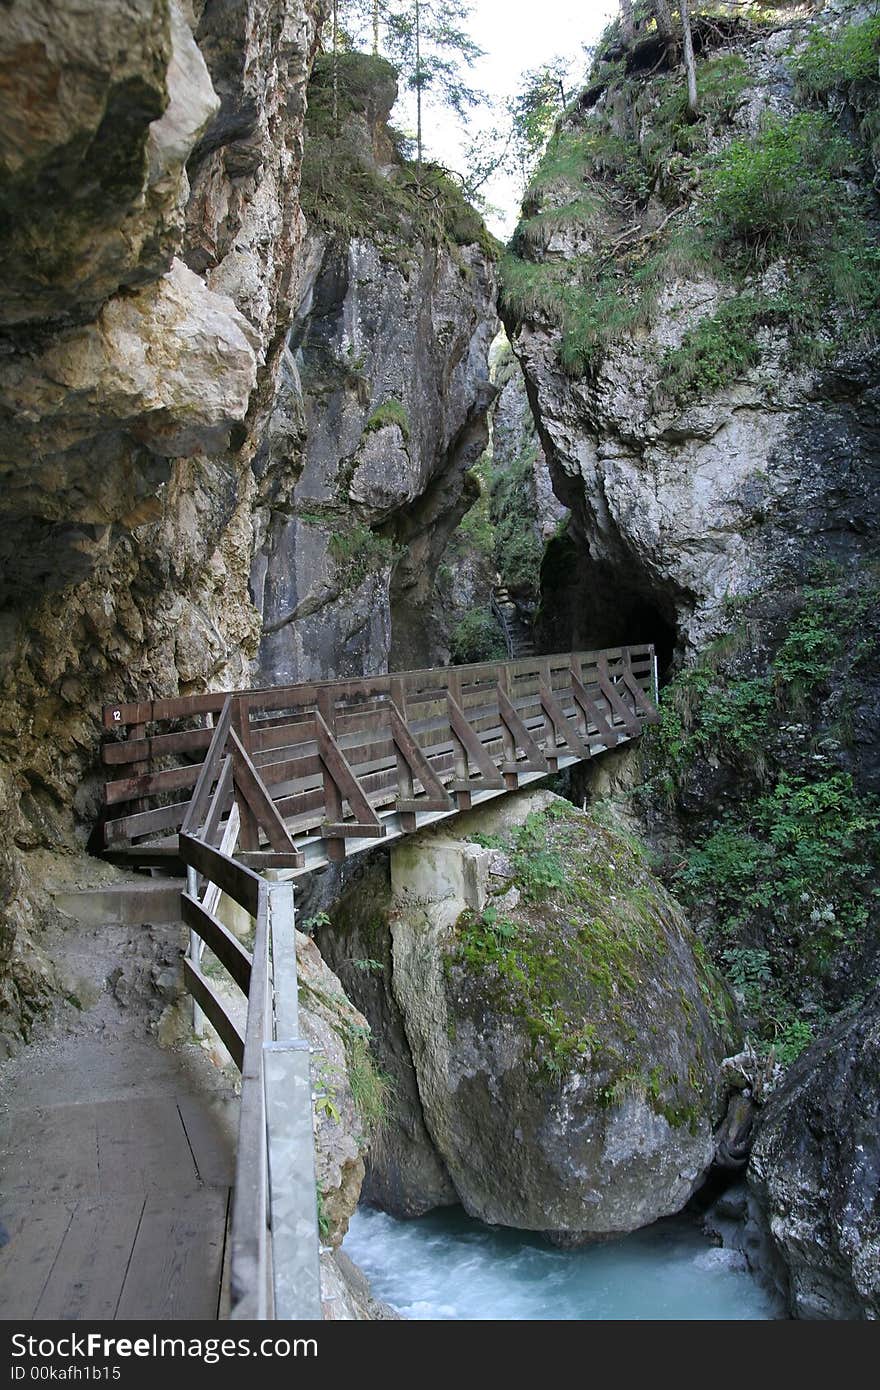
(587, 605)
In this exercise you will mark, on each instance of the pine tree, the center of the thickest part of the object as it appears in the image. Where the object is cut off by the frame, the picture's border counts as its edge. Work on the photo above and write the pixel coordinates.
(428, 43)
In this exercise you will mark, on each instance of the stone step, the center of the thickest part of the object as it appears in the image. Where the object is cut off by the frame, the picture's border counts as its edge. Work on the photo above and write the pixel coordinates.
(126, 903)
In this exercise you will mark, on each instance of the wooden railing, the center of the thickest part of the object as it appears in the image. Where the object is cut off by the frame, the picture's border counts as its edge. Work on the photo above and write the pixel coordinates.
(326, 758)
(274, 1263)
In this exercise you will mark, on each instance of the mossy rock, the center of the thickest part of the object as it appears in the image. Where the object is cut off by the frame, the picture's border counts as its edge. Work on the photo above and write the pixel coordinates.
(565, 1027)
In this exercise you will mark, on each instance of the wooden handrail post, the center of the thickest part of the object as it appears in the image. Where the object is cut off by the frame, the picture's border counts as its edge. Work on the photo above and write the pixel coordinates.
(463, 799)
(332, 795)
(241, 722)
(405, 788)
(511, 780)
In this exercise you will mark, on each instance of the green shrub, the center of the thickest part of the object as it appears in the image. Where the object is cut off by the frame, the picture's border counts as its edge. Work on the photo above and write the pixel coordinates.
(477, 637)
(833, 60)
(779, 189)
(718, 348)
(517, 545)
(342, 191)
(358, 552)
(390, 412)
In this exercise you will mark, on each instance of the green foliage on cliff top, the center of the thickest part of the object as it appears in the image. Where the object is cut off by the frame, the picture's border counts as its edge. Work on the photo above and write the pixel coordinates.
(785, 192)
(837, 59)
(779, 190)
(342, 188)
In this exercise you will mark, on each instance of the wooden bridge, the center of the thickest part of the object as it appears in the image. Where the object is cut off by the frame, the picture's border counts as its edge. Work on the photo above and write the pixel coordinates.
(238, 785)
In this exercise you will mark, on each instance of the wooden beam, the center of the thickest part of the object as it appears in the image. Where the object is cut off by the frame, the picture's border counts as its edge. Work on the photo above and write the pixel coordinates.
(252, 787)
(250, 824)
(612, 695)
(214, 1010)
(418, 763)
(606, 731)
(240, 883)
(535, 759)
(198, 807)
(221, 801)
(473, 746)
(226, 947)
(352, 830)
(271, 859)
(347, 785)
(405, 788)
(642, 703)
(560, 723)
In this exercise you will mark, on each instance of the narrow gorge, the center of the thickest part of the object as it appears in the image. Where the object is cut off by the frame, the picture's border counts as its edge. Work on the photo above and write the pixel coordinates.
(277, 409)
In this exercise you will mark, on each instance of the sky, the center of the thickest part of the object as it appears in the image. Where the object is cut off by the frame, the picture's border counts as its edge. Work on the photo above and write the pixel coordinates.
(516, 35)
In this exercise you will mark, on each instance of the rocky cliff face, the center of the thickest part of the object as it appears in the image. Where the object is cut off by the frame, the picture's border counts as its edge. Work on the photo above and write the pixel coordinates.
(154, 431)
(815, 1170)
(694, 304)
(386, 380)
(706, 396)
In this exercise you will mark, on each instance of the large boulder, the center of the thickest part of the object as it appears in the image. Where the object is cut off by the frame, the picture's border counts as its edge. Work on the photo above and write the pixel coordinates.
(564, 1029)
(815, 1172)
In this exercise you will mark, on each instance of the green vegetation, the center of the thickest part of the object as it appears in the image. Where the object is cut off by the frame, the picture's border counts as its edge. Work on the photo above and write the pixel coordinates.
(477, 637)
(733, 207)
(371, 1089)
(390, 412)
(580, 961)
(785, 874)
(358, 552)
(518, 547)
(833, 60)
(779, 189)
(343, 190)
(719, 348)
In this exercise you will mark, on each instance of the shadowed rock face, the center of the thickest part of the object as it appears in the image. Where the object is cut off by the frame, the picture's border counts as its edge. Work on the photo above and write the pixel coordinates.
(152, 426)
(383, 404)
(815, 1172)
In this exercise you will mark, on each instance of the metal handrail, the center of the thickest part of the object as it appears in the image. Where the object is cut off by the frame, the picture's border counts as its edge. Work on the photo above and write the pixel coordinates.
(274, 1237)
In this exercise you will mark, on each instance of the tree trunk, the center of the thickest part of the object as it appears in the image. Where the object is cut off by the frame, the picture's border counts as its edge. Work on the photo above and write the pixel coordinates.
(419, 85)
(664, 22)
(375, 28)
(627, 21)
(335, 68)
(690, 66)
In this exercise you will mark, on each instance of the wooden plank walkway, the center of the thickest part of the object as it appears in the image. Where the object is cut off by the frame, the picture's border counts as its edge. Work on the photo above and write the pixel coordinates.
(115, 1187)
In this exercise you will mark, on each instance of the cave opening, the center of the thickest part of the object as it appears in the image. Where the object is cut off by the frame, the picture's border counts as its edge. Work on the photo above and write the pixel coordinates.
(588, 604)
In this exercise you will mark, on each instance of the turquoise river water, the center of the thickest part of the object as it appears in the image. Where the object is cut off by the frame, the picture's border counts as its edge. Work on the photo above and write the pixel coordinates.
(447, 1266)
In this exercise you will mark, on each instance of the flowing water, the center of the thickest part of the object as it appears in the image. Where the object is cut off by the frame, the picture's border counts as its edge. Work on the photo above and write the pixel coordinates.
(447, 1265)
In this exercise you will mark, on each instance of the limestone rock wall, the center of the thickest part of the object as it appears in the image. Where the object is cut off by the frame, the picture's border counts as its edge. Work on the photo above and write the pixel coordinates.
(680, 504)
(814, 1173)
(187, 387)
(151, 211)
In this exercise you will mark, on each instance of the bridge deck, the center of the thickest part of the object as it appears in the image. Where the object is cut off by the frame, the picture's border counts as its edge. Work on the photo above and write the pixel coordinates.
(115, 1186)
